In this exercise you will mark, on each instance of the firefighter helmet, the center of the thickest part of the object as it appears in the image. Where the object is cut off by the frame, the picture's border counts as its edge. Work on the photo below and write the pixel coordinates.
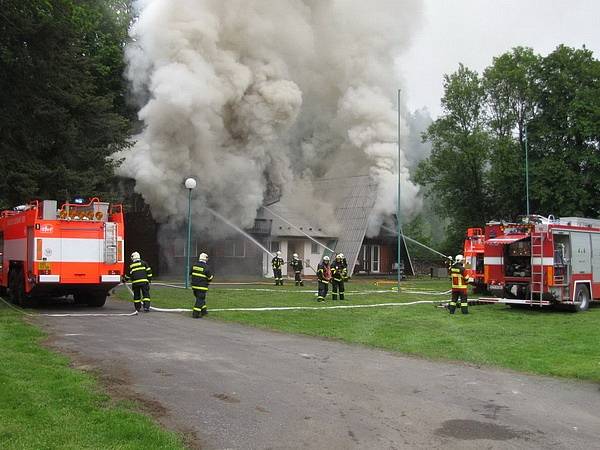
(278, 254)
(459, 258)
(203, 257)
(325, 258)
(135, 256)
(295, 256)
(339, 256)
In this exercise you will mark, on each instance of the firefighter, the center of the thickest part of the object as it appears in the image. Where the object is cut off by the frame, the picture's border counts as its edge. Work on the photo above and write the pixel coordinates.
(277, 263)
(324, 278)
(201, 277)
(140, 275)
(459, 286)
(339, 274)
(345, 262)
(297, 267)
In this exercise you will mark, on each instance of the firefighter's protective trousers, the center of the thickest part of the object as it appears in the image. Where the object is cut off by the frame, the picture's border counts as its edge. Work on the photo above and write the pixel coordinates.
(322, 293)
(337, 286)
(141, 293)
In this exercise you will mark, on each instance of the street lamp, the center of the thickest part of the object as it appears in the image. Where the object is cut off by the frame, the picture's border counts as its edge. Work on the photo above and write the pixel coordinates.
(190, 184)
(526, 170)
(398, 204)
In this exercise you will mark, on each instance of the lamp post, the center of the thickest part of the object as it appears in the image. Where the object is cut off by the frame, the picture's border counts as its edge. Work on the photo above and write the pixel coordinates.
(190, 184)
(398, 217)
(526, 170)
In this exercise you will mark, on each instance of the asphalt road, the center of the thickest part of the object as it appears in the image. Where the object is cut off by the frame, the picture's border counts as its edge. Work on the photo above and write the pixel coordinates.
(235, 387)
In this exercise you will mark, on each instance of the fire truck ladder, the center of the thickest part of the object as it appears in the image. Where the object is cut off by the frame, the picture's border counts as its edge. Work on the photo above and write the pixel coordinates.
(537, 269)
(110, 243)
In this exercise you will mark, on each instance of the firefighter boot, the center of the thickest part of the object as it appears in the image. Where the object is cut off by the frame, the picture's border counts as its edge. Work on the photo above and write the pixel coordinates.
(451, 307)
(464, 307)
(302, 283)
(146, 305)
(195, 313)
(341, 296)
(204, 311)
(138, 306)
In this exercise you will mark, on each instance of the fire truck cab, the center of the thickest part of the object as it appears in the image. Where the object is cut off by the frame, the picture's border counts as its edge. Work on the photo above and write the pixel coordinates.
(46, 251)
(543, 261)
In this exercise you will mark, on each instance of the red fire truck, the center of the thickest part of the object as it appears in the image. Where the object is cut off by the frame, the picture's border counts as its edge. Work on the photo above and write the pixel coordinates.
(473, 251)
(48, 252)
(543, 261)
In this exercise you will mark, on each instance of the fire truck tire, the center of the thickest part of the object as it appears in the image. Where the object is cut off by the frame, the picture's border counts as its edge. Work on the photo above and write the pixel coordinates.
(582, 298)
(96, 300)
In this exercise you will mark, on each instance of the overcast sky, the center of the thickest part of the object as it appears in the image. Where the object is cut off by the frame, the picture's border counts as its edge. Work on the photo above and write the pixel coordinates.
(474, 31)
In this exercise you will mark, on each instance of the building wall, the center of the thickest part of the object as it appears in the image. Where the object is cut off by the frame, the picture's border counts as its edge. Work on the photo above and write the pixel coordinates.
(289, 246)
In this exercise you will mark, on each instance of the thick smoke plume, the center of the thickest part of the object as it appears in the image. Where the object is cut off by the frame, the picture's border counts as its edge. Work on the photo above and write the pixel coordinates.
(245, 95)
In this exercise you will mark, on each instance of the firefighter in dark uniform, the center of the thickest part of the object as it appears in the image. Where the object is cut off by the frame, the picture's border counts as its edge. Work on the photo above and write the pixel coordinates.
(459, 286)
(324, 278)
(297, 267)
(338, 274)
(201, 277)
(345, 263)
(277, 263)
(140, 275)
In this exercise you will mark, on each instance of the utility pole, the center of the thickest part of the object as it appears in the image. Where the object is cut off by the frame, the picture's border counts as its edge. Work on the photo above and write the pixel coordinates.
(398, 217)
(526, 170)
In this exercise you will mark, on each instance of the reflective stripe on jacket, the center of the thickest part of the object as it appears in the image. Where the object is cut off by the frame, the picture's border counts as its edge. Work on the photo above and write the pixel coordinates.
(457, 274)
(139, 272)
(201, 276)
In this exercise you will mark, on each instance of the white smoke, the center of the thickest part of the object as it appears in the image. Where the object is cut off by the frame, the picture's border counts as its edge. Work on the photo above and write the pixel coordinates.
(244, 94)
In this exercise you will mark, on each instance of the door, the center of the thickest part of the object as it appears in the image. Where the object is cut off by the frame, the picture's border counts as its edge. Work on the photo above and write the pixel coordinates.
(375, 258)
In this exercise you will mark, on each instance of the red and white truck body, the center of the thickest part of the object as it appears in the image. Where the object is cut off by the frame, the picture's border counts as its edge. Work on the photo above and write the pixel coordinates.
(473, 252)
(77, 249)
(543, 261)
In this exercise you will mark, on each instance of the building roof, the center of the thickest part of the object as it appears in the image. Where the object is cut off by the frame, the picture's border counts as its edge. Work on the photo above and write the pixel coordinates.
(298, 223)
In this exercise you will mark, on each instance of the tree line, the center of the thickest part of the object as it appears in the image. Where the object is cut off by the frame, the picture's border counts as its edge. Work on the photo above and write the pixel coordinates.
(547, 105)
(63, 98)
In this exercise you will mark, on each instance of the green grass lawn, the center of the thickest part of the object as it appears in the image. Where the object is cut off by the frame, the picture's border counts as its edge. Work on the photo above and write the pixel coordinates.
(538, 341)
(44, 404)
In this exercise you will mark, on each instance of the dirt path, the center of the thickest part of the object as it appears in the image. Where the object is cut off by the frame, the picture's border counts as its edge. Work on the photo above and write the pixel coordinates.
(230, 386)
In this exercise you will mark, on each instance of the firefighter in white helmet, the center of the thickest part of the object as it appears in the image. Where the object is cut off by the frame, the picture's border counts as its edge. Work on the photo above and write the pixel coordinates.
(338, 274)
(201, 277)
(459, 286)
(140, 275)
(277, 262)
(324, 278)
(297, 267)
(345, 262)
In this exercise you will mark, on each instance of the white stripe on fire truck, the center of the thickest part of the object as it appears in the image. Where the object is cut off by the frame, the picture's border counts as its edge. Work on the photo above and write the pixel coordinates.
(493, 260)
(547, 261)
(72, 250)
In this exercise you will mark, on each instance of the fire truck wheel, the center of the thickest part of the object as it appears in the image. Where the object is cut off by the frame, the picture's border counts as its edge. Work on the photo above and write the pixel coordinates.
(96, 300)
(582, 298)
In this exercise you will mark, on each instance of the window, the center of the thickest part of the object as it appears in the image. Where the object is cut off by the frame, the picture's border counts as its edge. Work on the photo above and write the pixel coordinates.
(375, 258)
(181, 248)
(275, 246)
(314, 248)
(234, 249)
